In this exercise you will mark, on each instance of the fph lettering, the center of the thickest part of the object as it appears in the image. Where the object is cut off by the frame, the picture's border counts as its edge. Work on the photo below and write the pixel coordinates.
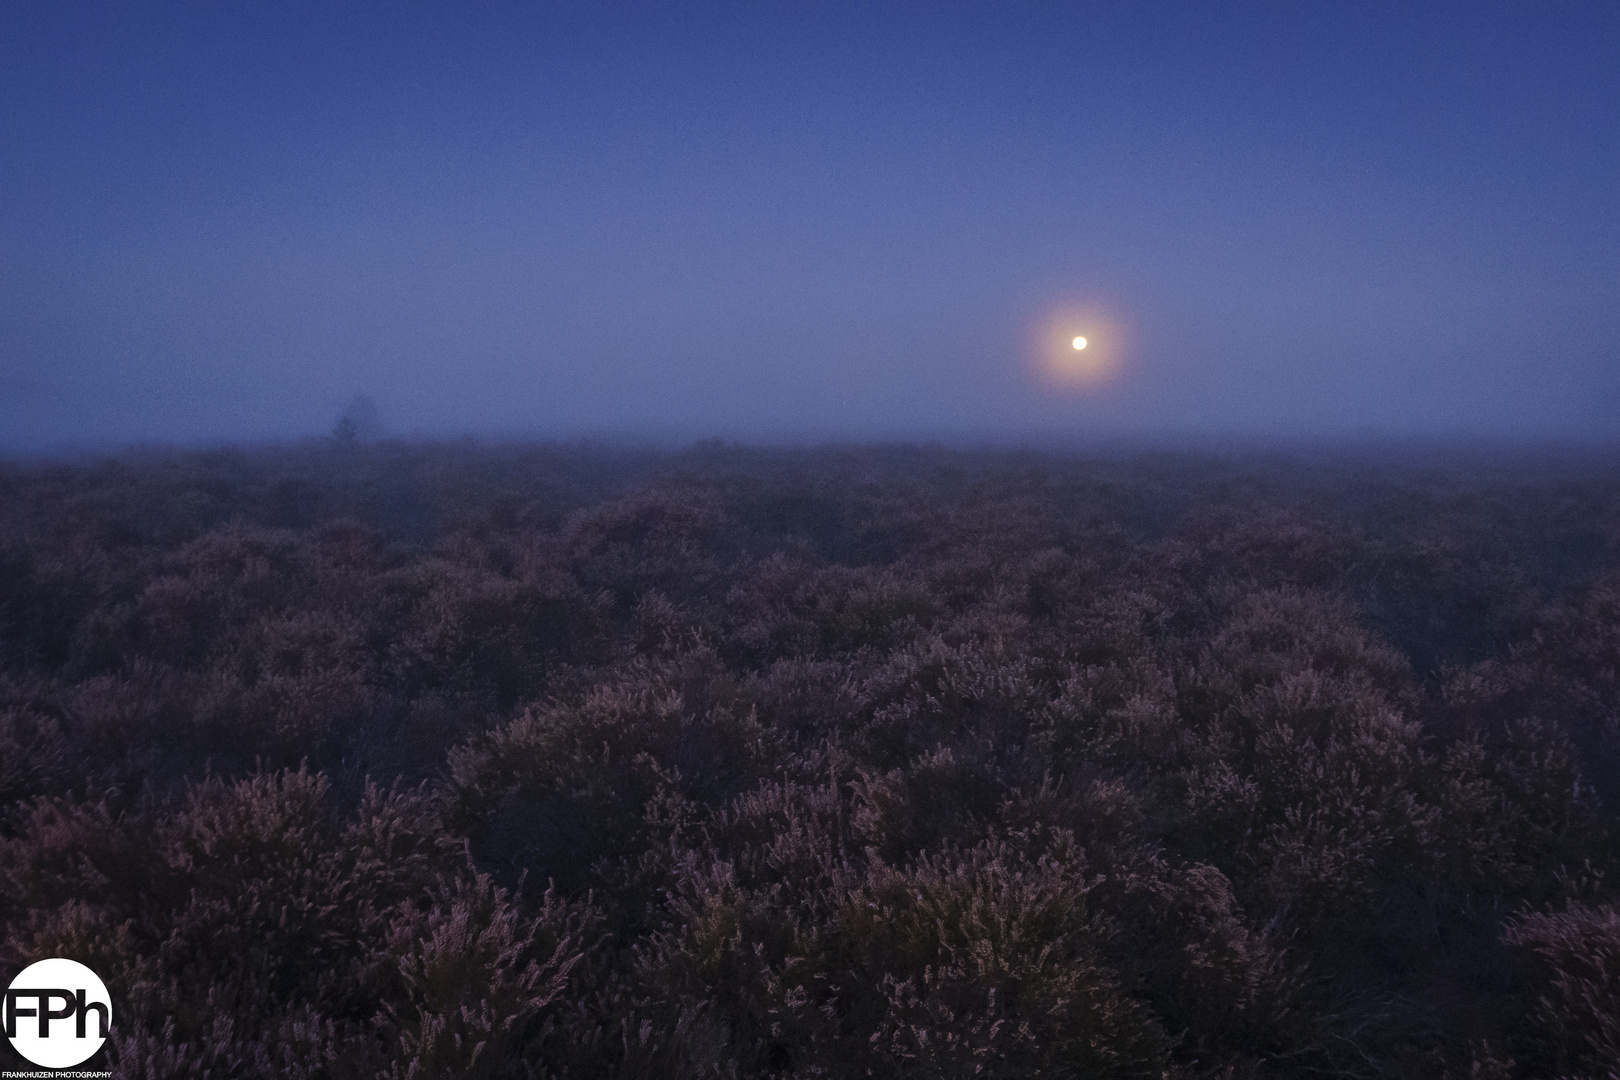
(73, 1005)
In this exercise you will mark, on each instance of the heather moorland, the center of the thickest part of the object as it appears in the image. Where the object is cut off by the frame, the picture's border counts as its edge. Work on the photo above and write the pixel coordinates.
(394, 760)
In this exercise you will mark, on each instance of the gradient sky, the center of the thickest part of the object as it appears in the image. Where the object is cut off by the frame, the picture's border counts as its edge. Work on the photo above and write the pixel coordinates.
(225, 220)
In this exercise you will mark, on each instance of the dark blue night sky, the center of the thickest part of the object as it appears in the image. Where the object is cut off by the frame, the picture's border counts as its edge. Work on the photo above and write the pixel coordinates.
(765, 222)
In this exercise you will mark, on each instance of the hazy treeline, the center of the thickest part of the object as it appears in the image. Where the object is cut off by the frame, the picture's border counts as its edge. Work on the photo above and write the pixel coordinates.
(449, 761)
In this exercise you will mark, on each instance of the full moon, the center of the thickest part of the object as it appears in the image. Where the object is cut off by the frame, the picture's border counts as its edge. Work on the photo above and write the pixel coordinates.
(1077, 347)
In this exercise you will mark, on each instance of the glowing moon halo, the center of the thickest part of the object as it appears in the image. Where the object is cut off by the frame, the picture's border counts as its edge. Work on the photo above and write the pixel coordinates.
(1077, 348)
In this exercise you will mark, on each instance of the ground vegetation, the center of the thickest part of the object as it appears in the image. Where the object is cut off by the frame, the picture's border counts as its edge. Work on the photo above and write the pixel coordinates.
(361, 759)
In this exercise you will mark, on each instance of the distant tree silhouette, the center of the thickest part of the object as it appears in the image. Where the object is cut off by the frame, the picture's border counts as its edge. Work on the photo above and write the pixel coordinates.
(359, 422)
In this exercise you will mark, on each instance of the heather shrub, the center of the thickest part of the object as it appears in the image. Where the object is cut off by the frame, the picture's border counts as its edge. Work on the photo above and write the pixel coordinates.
(805, 701)
(967, 962)
(1574, 961)
(1448, 596)
(36, 757)
(246, 930)
(1568, 670)
(786, 608)
(1326, 790)
(475, 977)
(216, 584)
(1119, 714)
(681, 542)
(264, 913)
(974, 695)
(287, 687)
(788, 833)
(1519, 820)
(58, 850)
(564, 785)
(38, 608)
(131, 726)
(1229, 989)
(1175, 929)
(887, 520)
(981, 962)
(1268, 546)
(478, 630)
(1269, 634)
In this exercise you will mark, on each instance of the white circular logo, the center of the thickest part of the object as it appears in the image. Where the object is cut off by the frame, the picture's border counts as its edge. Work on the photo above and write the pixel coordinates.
(57, 1013)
